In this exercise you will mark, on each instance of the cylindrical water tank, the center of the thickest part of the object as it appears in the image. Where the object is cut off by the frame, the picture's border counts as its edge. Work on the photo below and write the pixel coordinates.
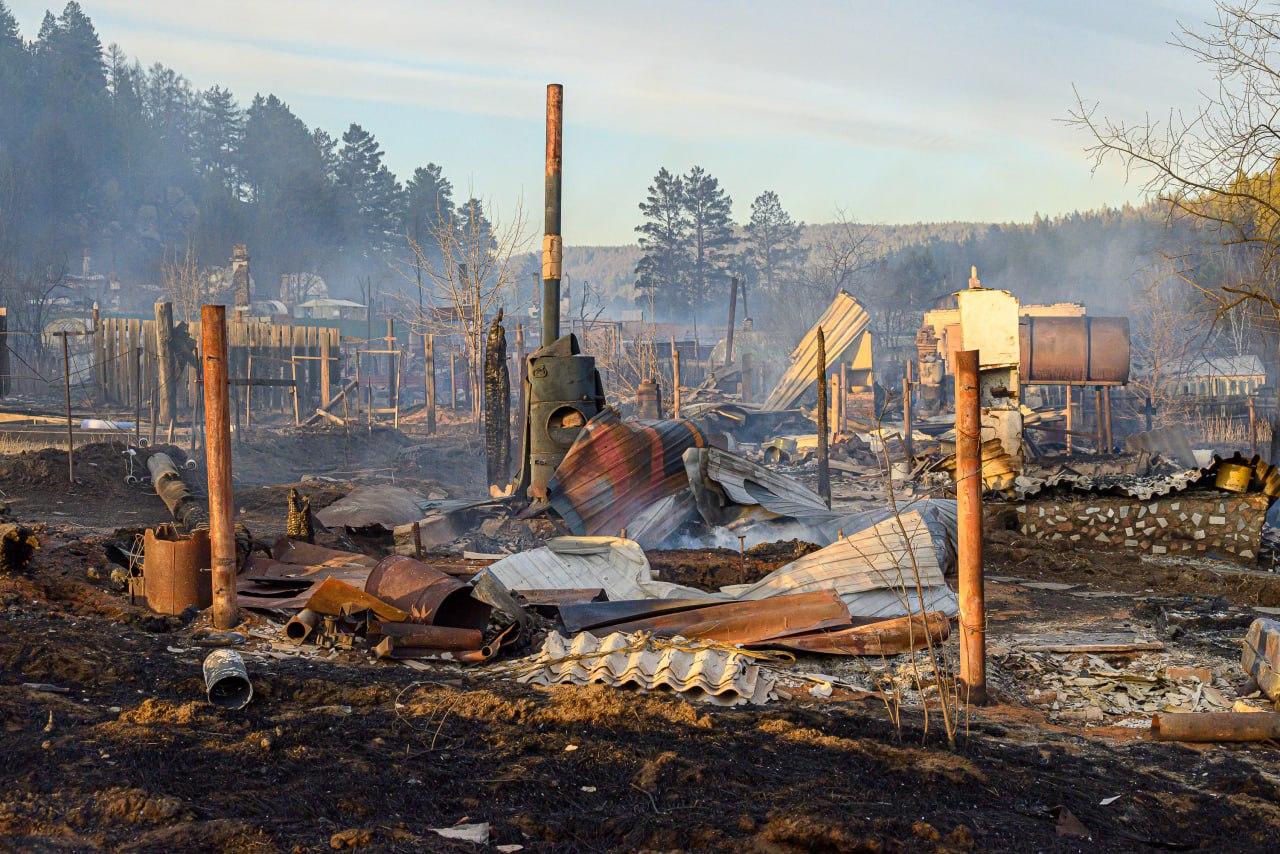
(1074, 350)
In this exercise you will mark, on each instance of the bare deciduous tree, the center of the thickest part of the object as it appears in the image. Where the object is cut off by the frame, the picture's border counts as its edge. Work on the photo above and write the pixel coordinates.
(470, 275)
(1218, 166)
(189, 286)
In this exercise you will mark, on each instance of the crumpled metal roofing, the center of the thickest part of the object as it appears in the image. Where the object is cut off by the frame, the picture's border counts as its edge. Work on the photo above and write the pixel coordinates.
(874, 571)
(615, 469)
(843, 323)
(383, 505)
(705, 673)
(616, 565)
(748, 483)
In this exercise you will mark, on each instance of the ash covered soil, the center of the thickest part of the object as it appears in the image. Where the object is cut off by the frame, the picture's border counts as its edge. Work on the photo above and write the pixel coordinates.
(343, 752)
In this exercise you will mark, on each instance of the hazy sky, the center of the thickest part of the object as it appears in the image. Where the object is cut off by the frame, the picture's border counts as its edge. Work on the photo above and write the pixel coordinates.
(894, 111)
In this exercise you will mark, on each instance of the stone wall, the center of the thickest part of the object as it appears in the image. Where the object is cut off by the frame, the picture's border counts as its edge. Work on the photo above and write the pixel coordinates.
(1214, 523)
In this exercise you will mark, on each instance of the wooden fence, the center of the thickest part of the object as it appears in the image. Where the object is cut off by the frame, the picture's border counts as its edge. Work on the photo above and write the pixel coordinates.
(276, 354)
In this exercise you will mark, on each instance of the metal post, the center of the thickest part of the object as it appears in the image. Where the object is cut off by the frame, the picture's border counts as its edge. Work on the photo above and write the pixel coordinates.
(1069, 406)
(676, 397)
(1097, 420)
(137, 408)
(393, 376)
(453, 380)
(324, 369)
(907, 444)
(217, 425)
(973, 634)
(824, 463)
(728, 335)
(551, 241)
(248, 395)
(1106, 420)
(66, 389)
(1253, 427)
(429, 378)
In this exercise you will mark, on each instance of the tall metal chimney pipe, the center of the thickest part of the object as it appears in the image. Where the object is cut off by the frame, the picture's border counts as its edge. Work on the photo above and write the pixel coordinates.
(552, 247)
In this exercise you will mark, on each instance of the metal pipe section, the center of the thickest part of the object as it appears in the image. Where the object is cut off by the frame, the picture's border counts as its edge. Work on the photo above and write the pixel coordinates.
(973, 636)
(217, 426)
(226, 681)
(552, 246)
(1216, 726)
(301, 625)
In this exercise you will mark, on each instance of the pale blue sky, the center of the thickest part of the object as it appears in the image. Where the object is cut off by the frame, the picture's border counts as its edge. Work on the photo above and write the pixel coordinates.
(893, 111)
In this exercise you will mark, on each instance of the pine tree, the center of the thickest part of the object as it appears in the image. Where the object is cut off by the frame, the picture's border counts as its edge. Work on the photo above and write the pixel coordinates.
(220, 128)
(663, 270)
(428, 201)
(372, 191)
(773, 247)
(711, 238)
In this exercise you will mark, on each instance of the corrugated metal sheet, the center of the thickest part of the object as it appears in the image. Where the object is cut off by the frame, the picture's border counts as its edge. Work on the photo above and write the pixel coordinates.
(843, 323)
(652, 525)
(616, 565)
(747, 483)
(617, 468)
(709, 674)
(873, 570)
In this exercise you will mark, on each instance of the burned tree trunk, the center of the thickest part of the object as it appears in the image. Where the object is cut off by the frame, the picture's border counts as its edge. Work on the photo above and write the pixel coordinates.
(497, 405)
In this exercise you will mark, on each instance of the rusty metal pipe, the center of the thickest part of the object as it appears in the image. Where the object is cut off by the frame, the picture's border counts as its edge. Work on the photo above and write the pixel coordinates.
(552, 246)
(1216, 726)
(217, 426)
(301, 625)
(907, 428)
(973, 637)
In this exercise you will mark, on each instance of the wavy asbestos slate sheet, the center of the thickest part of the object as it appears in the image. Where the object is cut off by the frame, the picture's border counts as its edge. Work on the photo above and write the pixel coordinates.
(707, 674)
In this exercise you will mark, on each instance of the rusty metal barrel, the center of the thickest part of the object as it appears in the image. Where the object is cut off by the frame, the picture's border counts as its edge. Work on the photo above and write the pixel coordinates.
(175, 570)
(1074, 350)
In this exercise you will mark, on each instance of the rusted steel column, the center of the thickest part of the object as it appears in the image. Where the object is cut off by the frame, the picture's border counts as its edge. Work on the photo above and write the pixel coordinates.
(217, 427)
(973, 616)
(907, 444)
(728, 335)
(824, 463)
(429, 378)
(552, 246)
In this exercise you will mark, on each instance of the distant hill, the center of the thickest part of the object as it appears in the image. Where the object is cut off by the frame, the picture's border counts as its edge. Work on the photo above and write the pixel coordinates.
(1098, 257)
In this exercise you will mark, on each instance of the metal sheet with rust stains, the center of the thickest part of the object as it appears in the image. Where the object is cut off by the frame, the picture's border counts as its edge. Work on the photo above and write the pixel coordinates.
(886, 637)
(615, 469)
(743, 622)
(427, 595)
